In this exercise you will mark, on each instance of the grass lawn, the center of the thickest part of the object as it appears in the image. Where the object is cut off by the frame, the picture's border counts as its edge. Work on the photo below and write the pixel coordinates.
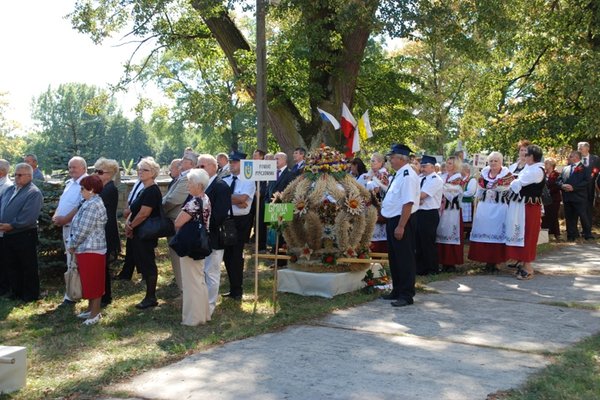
(68, 360)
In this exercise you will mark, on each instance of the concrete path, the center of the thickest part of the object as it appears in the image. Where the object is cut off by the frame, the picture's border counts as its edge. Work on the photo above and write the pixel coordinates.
(471, 336)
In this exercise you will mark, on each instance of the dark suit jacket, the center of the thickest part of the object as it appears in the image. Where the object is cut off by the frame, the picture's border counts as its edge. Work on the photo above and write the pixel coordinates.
(579, 179)
(594, 166)
(219, 194)
(110, 198)
(280, 184)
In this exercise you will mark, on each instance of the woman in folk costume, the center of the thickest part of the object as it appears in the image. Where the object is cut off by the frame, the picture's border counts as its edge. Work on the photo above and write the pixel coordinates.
(469, 185)
(450, 229)
(488, 232)
(524, 214)
(521, 162)
(376, 180)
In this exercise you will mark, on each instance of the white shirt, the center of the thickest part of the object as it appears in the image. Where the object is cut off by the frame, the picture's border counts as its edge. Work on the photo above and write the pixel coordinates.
(533, 173)
(403, 189)
(138, 186)
(241, 187)
(433, 186)
(70, 198)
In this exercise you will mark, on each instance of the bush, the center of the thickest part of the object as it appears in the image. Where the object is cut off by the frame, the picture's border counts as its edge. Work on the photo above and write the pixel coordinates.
(50, 248)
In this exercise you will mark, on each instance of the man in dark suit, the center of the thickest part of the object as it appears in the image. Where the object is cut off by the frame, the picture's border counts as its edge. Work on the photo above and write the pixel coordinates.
(219, 194)
(592, 162)
(574, 182)
(298, 156)
(284, 177)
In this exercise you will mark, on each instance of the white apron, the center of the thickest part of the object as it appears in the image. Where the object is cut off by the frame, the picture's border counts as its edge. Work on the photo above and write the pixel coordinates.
(515, 224)
(448, 230)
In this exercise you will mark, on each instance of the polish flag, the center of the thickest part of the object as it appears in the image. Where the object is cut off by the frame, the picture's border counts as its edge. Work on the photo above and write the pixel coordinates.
(348, 128)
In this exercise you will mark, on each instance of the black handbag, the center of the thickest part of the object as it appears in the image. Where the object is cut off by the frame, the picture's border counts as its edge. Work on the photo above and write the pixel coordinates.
(156, 227)
(191, 240)
(228, 232)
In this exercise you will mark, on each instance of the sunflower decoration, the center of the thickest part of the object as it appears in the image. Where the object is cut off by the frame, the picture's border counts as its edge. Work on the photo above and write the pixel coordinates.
(333, 216)
(300, 204)
(354, 204)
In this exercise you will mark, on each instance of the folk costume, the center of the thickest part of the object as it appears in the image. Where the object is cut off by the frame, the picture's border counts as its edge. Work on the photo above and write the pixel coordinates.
(488, 232)
(524, 214)
(371, 181)
(450, 229)
(469, 185)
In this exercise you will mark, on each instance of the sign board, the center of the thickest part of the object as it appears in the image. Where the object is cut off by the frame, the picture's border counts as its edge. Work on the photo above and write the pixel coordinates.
(258, 170)
(479, 160)
(275, 211)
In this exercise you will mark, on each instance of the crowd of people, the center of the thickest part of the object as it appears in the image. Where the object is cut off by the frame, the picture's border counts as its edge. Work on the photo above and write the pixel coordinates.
(426, 211)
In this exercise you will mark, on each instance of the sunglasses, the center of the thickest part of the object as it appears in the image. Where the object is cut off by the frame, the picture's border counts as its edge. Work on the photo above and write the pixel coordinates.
(144, 169)
(20, 175)
(201, 166)
(99, 172)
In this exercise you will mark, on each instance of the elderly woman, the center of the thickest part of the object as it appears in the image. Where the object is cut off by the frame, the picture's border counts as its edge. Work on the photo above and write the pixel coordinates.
(488, 233)
(449, 235)
(550, 218)
(524, 212)
(376, 180)
(469, 185)
(106, 169)
(146, 205)
(195, 309)
(88, 242)
(518, 166)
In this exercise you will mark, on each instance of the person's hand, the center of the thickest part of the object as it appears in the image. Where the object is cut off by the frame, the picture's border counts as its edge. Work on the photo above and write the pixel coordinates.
(58, 220)
(6, 227)
(567, 188)
(71, 250)
(126, 213)
(399, 232)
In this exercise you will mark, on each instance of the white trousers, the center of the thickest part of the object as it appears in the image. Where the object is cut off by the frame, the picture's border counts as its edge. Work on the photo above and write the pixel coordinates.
(212, 274)
(66, 232)
(176, 266)
(195, 309)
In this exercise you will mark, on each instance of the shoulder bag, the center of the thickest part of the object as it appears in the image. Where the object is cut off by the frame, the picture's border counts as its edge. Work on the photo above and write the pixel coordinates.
(228, 231)
(156, 227)
(73, 281)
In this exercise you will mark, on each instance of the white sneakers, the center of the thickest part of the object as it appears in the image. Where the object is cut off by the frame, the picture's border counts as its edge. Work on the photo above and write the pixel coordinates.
(84, 315)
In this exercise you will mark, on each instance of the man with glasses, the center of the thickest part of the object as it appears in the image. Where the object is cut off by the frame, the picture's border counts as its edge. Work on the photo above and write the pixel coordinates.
(574, 182)
(20, 207)
(68, 205)
(219, 194)
(172, 202)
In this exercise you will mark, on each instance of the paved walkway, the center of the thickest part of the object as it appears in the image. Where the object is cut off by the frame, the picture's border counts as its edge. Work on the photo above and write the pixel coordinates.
(470, 337)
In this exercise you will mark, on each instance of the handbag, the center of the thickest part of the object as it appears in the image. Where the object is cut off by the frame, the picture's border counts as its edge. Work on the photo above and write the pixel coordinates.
(228, 231)
(73, 281)
(191, 240)
(156, 227)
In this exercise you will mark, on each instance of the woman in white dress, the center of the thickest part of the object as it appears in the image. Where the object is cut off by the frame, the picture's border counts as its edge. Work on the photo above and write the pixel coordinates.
(449, 236)
(488, 232)
(469, 184)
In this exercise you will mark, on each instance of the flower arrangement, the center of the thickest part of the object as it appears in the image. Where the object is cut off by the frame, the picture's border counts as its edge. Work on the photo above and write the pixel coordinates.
(324, 160)
(373, 282)
(334, 216)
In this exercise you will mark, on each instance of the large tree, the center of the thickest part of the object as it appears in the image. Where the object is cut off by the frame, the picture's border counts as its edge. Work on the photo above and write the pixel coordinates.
(315, 52)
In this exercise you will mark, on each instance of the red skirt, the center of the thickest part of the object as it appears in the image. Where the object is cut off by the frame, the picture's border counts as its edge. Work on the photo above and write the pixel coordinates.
(494, 253)
(452, 254)
(533, 220)
(91, 271)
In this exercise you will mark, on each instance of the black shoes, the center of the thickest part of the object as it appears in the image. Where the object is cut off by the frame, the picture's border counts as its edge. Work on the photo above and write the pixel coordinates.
(146, 303)
(233, 296)
(389, 296)
(401, 303)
